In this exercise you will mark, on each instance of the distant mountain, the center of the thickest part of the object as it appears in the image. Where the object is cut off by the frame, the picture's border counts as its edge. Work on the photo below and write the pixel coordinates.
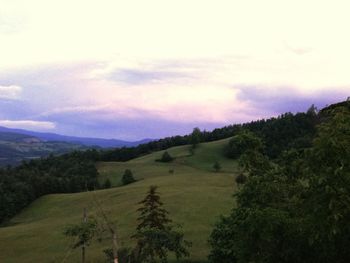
(15, 147)
(53, 137)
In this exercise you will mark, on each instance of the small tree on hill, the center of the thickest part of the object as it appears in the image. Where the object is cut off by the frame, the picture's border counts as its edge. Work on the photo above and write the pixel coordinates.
(155, 235)
(83, 233)
(128, 177)
(166, 158)
(217, 166)
(195, 138)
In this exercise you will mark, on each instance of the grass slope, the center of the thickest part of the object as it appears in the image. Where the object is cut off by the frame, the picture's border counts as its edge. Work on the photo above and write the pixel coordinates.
(194, 195)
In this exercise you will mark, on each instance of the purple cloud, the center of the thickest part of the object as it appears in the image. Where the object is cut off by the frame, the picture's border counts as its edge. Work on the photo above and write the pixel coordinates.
(287, 99)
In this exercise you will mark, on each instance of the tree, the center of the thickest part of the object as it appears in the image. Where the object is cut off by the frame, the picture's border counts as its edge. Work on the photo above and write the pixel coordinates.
(328, 175)
(217, 166)
(243, 142)
(195, 137)
(166, 158)
(296, 210)
(155, 235)
(83, 233)
(128, 177)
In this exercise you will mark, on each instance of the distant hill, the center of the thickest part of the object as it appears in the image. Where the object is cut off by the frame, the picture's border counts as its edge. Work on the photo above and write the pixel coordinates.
(15, 147)
(53, 137)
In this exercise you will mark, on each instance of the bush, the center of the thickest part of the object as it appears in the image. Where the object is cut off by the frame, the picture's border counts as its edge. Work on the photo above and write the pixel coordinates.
(166, 158)
(128, 177)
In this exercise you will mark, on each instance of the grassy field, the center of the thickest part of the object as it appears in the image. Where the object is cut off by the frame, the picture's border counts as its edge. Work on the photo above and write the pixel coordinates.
(194, 195)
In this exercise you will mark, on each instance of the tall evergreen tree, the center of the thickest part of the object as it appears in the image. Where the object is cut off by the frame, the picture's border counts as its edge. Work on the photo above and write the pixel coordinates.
(155, 235)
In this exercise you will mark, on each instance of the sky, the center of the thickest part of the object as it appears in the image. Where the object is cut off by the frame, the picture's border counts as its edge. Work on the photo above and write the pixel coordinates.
(136, 69)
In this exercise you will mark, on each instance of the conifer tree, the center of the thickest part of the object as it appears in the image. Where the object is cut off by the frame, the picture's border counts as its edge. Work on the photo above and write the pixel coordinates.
(155, 234)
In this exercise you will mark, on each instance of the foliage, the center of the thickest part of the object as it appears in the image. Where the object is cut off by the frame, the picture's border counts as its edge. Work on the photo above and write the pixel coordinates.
(245, 141)
(62, 174)
(155, 235)
(241, 178)
(84, 232)
(128, 177)
(166, 158)
(294, 211)
(195, 137)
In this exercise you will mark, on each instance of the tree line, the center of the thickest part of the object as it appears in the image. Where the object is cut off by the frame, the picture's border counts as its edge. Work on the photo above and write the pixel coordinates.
(21, 185)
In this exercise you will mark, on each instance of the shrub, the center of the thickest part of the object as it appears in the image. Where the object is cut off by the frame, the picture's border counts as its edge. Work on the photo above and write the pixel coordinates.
(166, 158)
(128, 177)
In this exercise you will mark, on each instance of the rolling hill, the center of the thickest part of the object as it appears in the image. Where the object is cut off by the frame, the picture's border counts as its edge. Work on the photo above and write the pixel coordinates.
(194, 194)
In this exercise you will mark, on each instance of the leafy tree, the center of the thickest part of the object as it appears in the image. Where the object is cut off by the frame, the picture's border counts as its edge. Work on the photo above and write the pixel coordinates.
(155, 235)
(243, 142)
(328, 175)
(166, 158)
(217, 166)
(83, 233)
(195, 137)
(296, 210)
(128, 177)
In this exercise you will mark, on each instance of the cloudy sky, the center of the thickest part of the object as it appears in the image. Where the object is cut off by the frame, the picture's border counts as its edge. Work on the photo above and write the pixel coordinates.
(147, 69)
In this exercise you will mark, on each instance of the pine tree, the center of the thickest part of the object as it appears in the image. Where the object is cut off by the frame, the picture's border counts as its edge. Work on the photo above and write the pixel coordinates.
(152, 215)
(154, 234)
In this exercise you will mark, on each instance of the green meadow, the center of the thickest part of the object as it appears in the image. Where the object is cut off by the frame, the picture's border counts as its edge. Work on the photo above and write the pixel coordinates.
(194, 195)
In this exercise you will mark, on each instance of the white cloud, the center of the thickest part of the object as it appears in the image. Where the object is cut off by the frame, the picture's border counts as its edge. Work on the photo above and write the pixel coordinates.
(28, 124)
(11, 92)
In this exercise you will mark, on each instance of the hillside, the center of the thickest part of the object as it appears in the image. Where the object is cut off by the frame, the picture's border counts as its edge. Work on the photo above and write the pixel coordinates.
(194, 195)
